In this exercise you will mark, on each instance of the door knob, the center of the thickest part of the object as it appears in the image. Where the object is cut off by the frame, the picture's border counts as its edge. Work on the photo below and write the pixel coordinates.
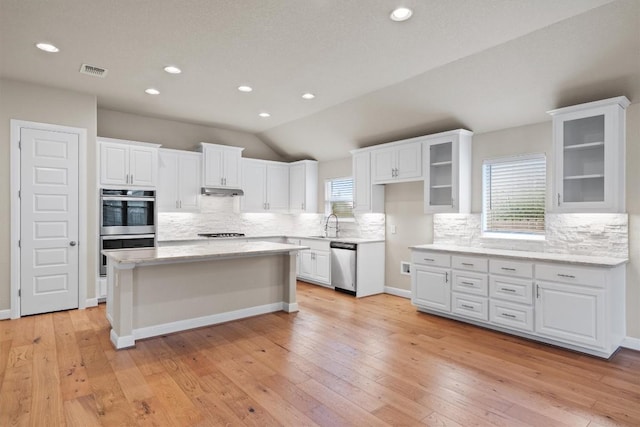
(72, 243)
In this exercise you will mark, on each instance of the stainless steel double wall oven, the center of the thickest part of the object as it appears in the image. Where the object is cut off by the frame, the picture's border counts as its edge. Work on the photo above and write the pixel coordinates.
(127, 220)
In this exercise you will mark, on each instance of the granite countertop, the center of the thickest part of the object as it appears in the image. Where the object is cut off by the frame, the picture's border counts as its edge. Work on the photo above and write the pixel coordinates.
(339, 239)
(197, 252)
(595, 261)
(330, 239)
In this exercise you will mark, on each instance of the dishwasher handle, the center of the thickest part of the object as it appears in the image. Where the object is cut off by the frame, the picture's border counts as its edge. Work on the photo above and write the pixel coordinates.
(343, 245)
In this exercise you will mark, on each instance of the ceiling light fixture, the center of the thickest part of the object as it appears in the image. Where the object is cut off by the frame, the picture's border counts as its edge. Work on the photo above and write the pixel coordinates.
(152, 91)
(401, 14)
(47, 47)
(245, 89)
(171, 69)
(308, 95)
(264, 115)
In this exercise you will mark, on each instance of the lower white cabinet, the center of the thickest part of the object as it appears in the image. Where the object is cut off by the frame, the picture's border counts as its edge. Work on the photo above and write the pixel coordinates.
(578, 306)
(314, 264)
(431, 288)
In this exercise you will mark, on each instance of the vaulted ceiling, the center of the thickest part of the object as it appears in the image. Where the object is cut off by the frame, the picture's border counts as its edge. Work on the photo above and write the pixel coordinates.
(482, 65)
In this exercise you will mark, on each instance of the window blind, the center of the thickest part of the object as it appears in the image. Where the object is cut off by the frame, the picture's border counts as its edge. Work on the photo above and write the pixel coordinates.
(339, 197)
(514, 195)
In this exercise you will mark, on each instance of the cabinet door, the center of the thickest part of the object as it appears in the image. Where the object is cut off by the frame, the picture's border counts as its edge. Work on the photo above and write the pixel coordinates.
(254, 176)
(431, 288)
(297, 187)
(361, 182)
(167, 198)
(114, 164)
(322, 261)
(571, 314)
(383, 164)
(231, 168)
(143, 166)
(189, 181)
(409, 161)
(306, 264)
(213, 163)
(277, 187)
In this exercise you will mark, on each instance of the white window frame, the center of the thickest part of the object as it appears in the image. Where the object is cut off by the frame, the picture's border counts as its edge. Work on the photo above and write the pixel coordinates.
(327, 200)
(514, 234)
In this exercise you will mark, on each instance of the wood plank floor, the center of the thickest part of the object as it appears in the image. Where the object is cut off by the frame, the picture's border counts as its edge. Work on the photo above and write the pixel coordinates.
(338, 362)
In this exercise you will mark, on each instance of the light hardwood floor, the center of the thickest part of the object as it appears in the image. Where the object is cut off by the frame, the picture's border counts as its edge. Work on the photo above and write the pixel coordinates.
(339, 361)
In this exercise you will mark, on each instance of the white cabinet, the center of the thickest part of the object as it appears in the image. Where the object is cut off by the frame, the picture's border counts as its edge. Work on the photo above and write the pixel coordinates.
(221, 165)
(367, 197)
(397, 162)
(303, 186)
(431, 280)
(128, 163)
(315, 263)
(447, 177)
(265, 185)
(589, 154)
(179, 181)
(580, 307)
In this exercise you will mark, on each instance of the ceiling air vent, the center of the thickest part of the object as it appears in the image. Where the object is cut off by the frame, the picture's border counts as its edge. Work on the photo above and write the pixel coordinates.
(92, 70)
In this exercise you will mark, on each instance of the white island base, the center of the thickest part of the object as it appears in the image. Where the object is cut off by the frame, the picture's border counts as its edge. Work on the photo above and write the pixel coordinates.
(153, 292)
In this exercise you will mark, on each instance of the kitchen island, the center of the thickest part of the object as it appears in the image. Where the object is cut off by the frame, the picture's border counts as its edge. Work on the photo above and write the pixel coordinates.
(161, 290)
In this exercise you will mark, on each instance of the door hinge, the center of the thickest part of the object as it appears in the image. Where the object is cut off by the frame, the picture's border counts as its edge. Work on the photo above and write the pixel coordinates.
(19, 244)
(19, 194)
(19, 293)
(19, 145)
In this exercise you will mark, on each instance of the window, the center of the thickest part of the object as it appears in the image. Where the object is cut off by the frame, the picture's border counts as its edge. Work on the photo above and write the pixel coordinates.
(513, 196)
(339, 197)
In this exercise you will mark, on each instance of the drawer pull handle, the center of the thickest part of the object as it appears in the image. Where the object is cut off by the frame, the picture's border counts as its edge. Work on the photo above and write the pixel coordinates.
(507, 269)
(429, 259)
(470, 307)
(467, 283)
(510, 316)
(569, 276)
(468, 264)
(507, 289)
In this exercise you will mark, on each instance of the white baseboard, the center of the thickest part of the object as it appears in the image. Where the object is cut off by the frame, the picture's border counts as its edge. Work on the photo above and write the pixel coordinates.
(122, 342)
(632, 343)
(290, 308)
(404, 293)
(198, 322)
(91, 302)
(5, 314)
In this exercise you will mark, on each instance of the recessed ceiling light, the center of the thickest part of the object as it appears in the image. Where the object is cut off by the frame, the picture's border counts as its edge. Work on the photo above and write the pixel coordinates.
(401, 14)
(308, 95)
(152, 91)
(172, 69)
(265, 115)
(47, 47)
(245, 88)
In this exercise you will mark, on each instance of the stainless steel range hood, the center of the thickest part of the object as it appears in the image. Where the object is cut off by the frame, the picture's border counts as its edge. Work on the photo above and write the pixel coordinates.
(221, 192)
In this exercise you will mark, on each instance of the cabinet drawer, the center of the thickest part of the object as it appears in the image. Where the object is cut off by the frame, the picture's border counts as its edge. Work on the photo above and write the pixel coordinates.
(470, 306)
(431, 258)
(511, 268)
(513, 316)
(589, 276)
(511, 289)
(472, 263)
(470, 283)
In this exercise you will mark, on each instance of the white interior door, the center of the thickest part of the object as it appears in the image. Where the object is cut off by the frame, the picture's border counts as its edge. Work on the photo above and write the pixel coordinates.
(48, 221)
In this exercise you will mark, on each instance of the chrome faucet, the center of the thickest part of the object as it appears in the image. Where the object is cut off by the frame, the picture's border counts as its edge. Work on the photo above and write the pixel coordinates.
(326, 226)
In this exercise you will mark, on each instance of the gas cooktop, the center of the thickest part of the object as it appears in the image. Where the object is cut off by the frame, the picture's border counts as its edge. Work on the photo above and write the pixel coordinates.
(221, 234)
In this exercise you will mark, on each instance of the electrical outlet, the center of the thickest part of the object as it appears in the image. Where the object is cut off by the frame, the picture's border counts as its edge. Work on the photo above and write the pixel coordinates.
(405, 268)
(393, 229)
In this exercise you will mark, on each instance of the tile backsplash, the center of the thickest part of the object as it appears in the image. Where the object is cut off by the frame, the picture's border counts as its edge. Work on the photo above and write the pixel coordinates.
(221, 214)
(578, 234)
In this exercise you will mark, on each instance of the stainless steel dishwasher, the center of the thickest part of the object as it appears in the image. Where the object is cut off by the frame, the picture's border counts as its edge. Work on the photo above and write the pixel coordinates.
(343, 266)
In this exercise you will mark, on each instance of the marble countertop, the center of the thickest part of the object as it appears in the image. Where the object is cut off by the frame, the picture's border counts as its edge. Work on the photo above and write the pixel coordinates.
(197, 252)
(330, 239)
(359, 240)
(595, 261)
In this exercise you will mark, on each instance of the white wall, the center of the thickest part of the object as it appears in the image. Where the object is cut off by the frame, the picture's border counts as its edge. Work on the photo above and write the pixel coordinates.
(43, 104)
(178, 135)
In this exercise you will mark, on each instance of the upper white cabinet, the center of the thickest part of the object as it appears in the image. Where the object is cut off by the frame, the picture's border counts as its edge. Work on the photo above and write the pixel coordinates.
(128, 163)
(303, 186)
(447, 177)
(589, 153)
(397, 162)
(367, 198)
(221, 165)
(265, 185)
(179, 180)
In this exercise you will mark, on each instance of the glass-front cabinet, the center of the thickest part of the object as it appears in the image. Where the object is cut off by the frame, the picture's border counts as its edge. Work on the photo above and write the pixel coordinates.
(589, 148)
(447, 178)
